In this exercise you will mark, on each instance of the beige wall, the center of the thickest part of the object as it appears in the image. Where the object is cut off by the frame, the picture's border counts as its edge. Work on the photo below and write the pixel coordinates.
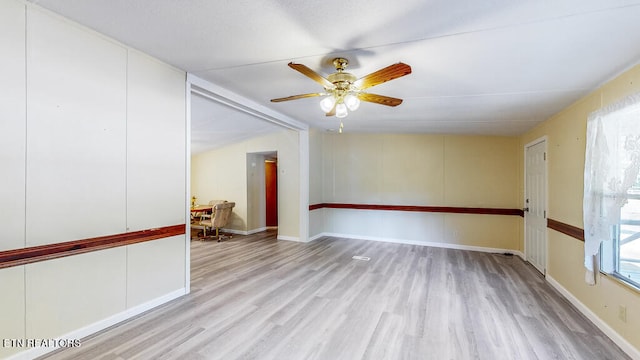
(429, 170)
(315, 166)
(222, 174)
(89, 128)
(316, 179)
(256, 195)
(566, 133)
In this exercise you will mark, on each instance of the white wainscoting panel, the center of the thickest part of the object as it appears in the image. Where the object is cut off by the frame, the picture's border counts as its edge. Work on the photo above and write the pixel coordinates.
(155, 268)
(156, 158)
(69, 293)
(12, 124)
(76, 126)
(12, 309)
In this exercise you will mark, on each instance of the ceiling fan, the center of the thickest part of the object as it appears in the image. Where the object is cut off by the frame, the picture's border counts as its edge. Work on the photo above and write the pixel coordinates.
(343, 91)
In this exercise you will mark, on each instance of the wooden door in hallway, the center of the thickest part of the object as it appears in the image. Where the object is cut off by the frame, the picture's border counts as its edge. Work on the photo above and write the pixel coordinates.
(271, 192)
(535, 210)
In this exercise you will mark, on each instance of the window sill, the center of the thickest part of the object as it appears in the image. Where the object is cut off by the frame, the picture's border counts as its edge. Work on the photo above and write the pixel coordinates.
(621, 280)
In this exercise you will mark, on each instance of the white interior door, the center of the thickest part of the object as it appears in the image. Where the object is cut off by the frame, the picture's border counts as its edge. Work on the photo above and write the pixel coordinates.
(535, 215)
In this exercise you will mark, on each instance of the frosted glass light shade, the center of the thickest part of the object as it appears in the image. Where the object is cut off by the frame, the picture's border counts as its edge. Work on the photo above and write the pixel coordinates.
(352, 102)
(327, 103)
(341, 110)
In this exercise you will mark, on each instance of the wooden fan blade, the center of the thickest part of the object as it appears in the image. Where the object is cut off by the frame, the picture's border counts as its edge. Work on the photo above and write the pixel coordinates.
(304, 70)
(379, 99)
(383, 75)
(295, 97)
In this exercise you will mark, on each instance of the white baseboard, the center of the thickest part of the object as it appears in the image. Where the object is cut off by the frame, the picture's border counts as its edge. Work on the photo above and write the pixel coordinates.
(316, 237)
(233, 231)
(101, 325)
(608, 330)
(261, 229)
(422, 243)
(254, 231)
(242, 232)
(289, 238)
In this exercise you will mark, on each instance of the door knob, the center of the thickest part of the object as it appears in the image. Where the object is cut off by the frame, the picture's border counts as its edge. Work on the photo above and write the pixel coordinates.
(526, 209)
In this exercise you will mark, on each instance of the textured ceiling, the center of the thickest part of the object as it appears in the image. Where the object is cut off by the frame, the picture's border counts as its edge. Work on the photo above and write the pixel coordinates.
(479, 67)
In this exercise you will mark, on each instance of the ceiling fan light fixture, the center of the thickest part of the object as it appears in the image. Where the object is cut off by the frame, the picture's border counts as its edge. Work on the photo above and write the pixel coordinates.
(343, 90)
(327, 103)
(341, 110)
(352, 102)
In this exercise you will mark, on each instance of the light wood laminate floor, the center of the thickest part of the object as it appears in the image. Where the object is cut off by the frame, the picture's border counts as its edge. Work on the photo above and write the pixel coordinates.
(255, 297)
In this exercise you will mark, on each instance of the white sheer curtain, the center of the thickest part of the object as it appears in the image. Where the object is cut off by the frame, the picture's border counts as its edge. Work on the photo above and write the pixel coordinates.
(612, 162)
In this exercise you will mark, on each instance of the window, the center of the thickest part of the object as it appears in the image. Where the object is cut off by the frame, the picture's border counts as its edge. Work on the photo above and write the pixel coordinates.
(612, 191)
(621, 256)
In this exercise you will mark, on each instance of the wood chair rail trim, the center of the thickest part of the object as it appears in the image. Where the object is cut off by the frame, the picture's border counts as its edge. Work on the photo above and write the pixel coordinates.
(28, 255)
(573, 231)
(434, 209)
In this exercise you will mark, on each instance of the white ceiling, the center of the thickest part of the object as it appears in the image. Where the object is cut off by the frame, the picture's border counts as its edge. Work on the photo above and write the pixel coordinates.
(479, 67)
(215, 125)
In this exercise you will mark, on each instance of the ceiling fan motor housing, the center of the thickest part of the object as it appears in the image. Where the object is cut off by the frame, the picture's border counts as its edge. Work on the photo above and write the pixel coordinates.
(342, 80)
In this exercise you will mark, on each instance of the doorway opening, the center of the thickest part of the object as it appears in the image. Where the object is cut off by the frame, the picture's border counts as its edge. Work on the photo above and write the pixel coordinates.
(262, 191)
(217, 119)
(271, 192)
